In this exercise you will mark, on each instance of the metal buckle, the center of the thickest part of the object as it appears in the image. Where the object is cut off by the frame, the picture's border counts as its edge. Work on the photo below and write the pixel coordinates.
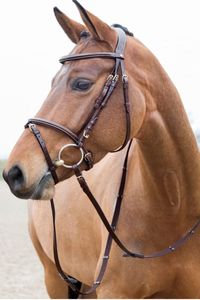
(110, 77)
(115, 78)
(68, 146)
(88, 154)
(124, 78)
(105, 257)
(86, 135)
(172, 248)
(31, 126)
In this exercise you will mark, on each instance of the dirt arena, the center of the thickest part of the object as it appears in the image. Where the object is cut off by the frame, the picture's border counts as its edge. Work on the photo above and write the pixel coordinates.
(21, 273)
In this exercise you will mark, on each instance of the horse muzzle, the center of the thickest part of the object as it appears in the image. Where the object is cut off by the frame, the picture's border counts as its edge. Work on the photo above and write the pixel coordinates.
(16, 180)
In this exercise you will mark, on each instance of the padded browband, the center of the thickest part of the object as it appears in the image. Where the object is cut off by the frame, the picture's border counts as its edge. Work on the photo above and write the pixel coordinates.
(118, 54)
(73, 57)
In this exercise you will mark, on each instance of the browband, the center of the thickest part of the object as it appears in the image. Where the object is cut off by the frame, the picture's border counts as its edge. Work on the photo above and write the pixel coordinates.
(73, 57)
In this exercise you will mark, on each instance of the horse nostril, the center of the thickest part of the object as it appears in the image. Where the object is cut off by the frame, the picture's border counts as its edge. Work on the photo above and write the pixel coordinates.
(15, 178)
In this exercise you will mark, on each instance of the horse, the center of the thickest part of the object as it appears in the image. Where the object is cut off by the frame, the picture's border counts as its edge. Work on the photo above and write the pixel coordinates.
(161, 196)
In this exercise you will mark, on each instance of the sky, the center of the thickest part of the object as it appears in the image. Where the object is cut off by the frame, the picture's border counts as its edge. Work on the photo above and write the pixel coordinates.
(32, 42)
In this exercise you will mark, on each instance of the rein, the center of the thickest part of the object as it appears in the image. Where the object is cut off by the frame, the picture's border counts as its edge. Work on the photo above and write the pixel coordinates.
(86, 157)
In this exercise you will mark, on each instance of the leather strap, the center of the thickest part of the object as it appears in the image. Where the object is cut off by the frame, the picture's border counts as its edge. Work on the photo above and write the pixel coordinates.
(110, 229)
(175, 245)
(43, 147)
(106, 93)
(80, 56)
(39, 121)
(71, 281)
(56, 126)
(83, 184)
(102, 101)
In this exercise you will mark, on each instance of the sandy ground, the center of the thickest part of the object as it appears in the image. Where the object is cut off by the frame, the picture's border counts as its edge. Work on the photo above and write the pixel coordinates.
(21, 273)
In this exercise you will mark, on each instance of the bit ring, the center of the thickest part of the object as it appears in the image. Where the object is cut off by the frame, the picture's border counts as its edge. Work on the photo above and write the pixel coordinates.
(71, 146)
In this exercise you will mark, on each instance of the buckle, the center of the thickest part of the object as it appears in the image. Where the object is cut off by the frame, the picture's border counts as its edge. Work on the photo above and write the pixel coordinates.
(31, 126)
(125, 78)
(85, 134)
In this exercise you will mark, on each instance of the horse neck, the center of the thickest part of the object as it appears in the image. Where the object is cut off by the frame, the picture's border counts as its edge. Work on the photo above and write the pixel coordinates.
(169, 156)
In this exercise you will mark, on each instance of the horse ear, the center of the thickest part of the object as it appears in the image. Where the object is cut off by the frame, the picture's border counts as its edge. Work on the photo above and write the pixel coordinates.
(99, 30)
(70, 27)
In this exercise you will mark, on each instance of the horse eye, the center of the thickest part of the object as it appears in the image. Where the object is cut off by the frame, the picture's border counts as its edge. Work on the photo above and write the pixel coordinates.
(81, 84)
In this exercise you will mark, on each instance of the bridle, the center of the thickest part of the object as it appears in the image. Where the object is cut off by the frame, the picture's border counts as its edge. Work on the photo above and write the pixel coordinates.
(101, 102)
(86, 156)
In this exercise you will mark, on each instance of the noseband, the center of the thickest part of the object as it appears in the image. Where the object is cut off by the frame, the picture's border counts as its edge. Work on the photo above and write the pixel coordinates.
(86, 157)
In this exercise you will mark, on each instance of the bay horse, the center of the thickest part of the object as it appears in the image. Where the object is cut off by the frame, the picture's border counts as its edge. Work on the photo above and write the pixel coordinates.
(161, 193)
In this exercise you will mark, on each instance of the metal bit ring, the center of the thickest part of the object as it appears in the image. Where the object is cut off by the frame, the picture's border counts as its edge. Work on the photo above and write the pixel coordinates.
(71, 146)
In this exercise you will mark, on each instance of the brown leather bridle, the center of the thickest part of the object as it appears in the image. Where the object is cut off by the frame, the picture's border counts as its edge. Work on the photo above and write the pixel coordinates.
(86, 156)
(100, 103)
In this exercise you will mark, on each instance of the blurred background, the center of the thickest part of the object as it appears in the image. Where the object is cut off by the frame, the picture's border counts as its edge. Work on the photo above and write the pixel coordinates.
(31, 44)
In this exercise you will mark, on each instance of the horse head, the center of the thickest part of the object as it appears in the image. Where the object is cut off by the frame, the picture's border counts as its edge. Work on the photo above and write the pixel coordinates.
(74, 93)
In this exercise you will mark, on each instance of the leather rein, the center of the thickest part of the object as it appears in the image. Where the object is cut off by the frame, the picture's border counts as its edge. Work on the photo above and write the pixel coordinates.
(86, 157)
